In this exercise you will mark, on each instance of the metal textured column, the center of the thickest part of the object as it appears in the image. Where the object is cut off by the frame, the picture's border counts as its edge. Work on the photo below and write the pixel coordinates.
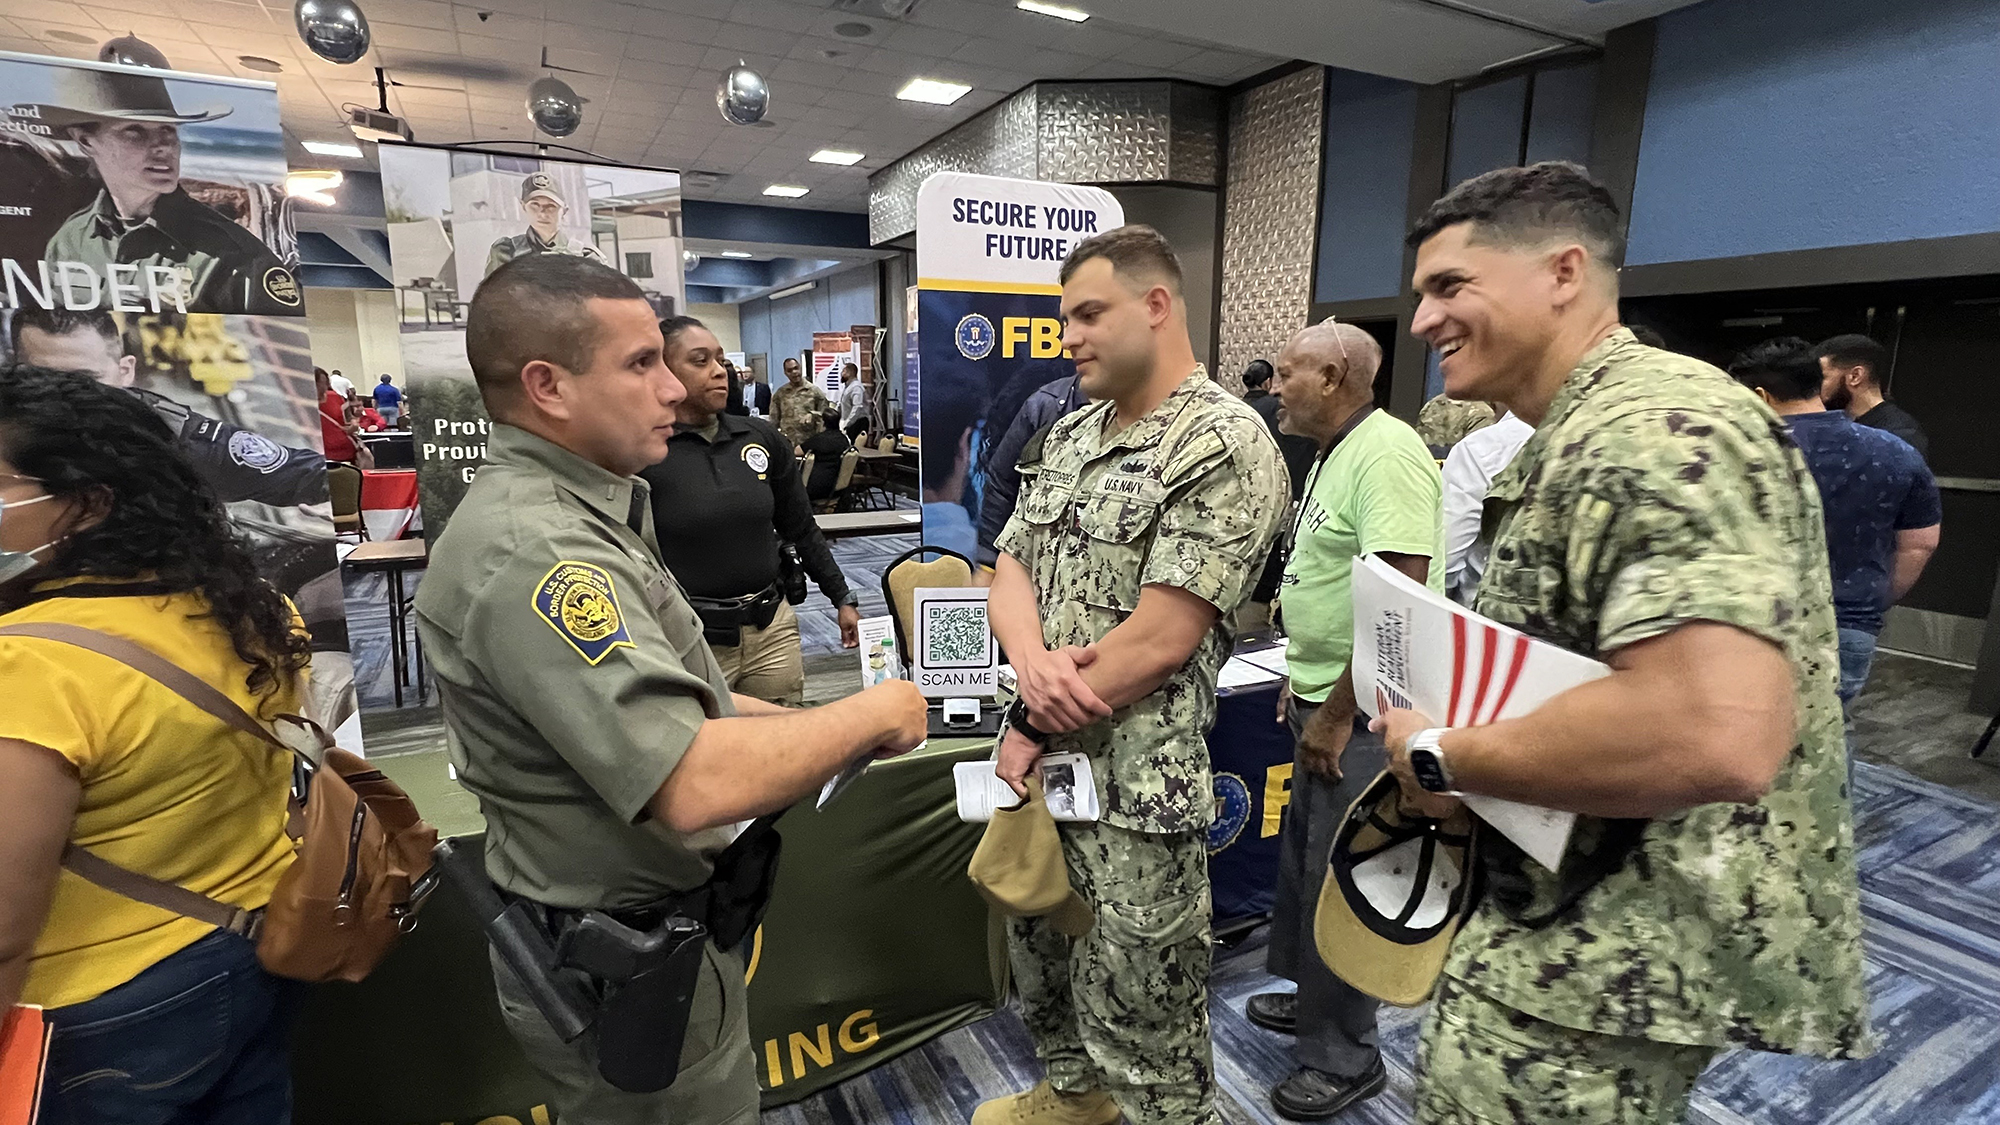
(1270, 215)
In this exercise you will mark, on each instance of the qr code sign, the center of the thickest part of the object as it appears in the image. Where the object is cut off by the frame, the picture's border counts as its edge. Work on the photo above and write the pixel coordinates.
(956, 635)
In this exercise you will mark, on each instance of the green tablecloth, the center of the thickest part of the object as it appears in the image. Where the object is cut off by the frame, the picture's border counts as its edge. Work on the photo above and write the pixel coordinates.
(875, 943)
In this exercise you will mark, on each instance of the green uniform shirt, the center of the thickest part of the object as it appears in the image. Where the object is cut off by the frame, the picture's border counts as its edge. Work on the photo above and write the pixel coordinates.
(1445, 421)
(1190, 496)
(222, 267)
(573, 676)
(1658, 492)
(505, 250)
(797, 408)
(1377, 489)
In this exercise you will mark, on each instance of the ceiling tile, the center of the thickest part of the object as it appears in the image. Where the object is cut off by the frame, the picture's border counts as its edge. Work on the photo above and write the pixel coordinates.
(667, 57)
(596, 40)
(513, 51)
(684, 29)
(531, 9)
(603, 14)
(719, 59)
(928, 42)
(756, 40)
(774, 14)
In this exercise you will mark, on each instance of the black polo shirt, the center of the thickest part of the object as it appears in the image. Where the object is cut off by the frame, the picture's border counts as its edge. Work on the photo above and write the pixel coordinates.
(725, 499)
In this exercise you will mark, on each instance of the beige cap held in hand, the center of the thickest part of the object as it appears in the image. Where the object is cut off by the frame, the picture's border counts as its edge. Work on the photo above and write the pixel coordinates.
(1018, 866)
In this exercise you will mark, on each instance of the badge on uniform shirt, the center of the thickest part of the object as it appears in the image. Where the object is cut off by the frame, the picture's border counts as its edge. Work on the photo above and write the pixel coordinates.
(255, 451)
(579, 602)
(757, 458)
(281, 286)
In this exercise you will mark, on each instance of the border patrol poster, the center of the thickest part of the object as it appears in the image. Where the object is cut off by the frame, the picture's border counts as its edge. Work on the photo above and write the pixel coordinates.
(457, 215)
(989, 331)
(146, 240)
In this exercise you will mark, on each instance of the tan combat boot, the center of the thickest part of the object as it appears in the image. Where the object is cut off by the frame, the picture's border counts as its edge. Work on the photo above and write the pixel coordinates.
(1045, 1105)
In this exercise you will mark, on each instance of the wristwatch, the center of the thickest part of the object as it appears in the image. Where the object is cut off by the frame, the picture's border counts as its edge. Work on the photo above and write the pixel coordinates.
(1017, 719)
(1427, 761)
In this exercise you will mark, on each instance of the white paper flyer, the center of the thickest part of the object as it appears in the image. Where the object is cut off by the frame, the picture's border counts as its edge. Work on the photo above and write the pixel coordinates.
(1068, 788)
(1416, 649)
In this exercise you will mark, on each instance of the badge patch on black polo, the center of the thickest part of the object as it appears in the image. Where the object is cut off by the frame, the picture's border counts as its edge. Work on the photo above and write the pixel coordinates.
(580, 603)
(281, 286)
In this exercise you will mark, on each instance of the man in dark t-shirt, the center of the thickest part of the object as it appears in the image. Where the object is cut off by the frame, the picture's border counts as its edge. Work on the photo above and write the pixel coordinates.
(827, 447)
(1882, 507)
(1853, 369)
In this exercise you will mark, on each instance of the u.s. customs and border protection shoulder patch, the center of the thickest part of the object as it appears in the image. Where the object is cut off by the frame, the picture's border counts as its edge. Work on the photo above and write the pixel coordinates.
(580, 603)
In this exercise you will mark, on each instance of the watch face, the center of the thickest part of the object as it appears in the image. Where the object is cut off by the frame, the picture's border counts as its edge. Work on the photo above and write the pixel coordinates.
(1424, 762)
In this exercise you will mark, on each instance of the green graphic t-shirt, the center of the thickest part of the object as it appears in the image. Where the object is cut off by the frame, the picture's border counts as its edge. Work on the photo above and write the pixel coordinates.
(1377, 489)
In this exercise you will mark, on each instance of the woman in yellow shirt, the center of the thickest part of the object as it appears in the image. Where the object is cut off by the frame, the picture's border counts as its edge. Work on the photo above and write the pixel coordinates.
(158, 1018)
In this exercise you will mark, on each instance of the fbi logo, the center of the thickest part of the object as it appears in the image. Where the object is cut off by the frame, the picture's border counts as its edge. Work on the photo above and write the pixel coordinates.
(1232, 811)
(975, 337)
(581, 605)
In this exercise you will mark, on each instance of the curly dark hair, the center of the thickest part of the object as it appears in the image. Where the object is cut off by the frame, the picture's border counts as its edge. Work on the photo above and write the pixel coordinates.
(82, 439)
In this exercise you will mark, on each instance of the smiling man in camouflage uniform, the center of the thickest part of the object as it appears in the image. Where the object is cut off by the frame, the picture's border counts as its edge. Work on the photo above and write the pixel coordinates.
(1143, 522)
(1657, 520)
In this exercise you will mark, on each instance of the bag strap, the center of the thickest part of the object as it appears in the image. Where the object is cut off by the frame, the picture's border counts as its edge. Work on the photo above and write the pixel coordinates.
(170, 897)
(172, 676)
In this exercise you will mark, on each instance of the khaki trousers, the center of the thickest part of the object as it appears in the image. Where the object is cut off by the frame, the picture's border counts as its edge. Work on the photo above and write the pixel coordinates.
(768, 663)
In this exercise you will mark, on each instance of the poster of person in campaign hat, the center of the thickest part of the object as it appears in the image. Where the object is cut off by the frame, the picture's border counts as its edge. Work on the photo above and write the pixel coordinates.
(143, 191)
(544, 209)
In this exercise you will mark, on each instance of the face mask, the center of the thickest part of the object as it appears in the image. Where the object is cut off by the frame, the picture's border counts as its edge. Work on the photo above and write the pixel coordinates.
(13, 564)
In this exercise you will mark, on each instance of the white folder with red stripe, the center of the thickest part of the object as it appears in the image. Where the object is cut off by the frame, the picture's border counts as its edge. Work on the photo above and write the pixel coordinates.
(1418, 650)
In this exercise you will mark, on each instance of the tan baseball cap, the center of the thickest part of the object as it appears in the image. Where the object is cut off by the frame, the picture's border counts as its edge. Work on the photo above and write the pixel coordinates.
(540, 183)
(1397, 887)
(1018, 866)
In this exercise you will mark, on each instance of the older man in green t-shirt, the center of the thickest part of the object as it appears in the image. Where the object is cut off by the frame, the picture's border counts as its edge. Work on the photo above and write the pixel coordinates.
(1374, 489)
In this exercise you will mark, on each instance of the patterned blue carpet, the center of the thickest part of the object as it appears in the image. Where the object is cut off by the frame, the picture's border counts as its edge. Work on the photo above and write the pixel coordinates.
(1930, 879)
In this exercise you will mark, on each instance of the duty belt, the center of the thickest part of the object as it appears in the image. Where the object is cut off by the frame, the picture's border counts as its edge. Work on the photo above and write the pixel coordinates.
(724, 619)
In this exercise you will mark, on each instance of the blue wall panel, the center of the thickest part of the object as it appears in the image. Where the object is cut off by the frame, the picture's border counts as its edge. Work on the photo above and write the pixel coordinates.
(1564, 112)
(1486, 128)
(1776, 125)
(784, 327)
(1371, 127)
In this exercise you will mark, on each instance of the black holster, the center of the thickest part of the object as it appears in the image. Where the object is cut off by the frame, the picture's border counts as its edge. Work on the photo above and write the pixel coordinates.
(724, 619)
(646, 981)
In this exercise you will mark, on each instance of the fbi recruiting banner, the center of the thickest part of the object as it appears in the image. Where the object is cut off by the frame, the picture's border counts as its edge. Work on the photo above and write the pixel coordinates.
(989, 331)
(146, 241)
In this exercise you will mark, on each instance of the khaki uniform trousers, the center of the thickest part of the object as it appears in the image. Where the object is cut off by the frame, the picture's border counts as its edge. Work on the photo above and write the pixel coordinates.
(768, 663)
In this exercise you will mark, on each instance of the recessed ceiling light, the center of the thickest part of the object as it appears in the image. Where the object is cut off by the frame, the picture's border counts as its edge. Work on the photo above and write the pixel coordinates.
(1056, 10)
(259, 62)
(854, 30)
(933, 91)
(70, 36)
(735, 254)
(333, 148)
(786, 191)
(835, 156)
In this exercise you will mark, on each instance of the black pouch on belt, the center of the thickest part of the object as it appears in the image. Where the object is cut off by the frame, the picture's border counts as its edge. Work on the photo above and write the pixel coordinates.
(648, 981)
(724, 619)
(741, 886)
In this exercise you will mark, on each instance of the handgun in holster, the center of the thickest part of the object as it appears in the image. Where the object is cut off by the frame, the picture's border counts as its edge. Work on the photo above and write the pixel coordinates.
(590, 972)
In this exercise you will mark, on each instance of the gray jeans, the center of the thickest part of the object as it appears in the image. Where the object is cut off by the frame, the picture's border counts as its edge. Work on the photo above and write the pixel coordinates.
(1336, 1032)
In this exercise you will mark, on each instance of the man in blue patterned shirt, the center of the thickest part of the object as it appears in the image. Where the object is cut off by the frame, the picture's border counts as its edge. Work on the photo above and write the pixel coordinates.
(1882, 507)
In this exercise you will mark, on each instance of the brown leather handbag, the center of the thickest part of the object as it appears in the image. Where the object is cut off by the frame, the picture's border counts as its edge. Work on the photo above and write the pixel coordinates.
(363, 867)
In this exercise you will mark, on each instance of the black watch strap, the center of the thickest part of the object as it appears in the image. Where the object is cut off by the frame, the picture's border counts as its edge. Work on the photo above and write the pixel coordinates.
(1017, 719)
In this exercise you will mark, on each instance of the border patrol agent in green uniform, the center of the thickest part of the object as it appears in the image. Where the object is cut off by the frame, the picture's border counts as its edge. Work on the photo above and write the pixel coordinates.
(1142, 525)
(1658, 520)
(544, 209)
(170, 250)
(590, 719)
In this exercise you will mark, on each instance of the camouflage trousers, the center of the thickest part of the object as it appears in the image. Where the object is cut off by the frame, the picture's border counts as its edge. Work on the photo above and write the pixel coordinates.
(1481, 1062)
(1124, 1008)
